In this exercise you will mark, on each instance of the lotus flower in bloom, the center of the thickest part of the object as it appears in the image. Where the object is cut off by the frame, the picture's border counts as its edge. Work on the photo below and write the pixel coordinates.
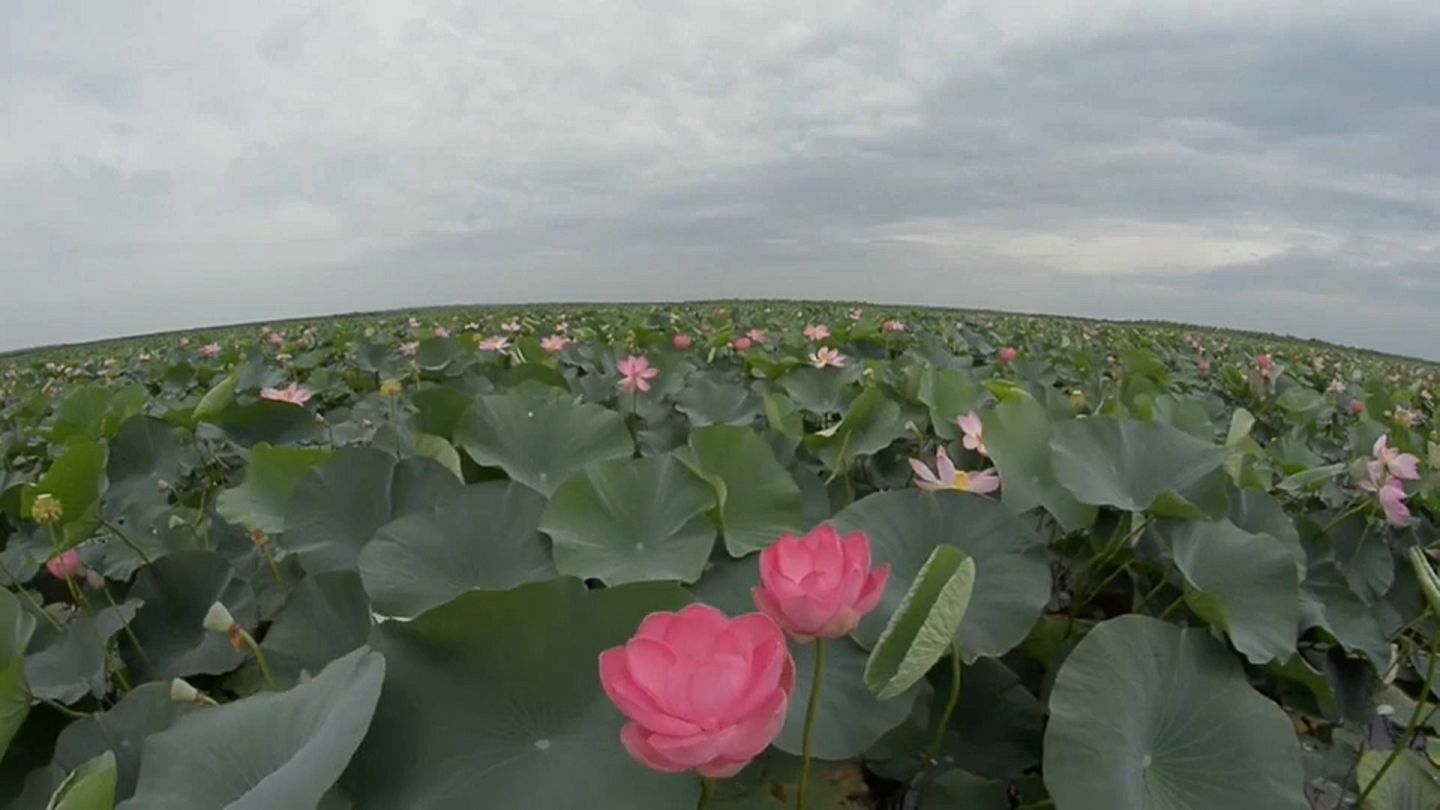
(817, 332)
(554, 344)
(1008, 354)
(512, 326)
(893, 326)
(741, 343)
(756, 336)
(442, 333)
(819, 585)
(1337, 386)
(292, 393)
(826, 356)
(1266, 366)
(681, 341)
(636, 374)
(1385, 473)
(1357, 406)
(66, 565)
(414, 323)
(408, 349)
(1203, 366)
(1404, 466)
(495, 343)
(974, 432)
(701, 691)
(210, 350)
(945, 476)
(856, 313)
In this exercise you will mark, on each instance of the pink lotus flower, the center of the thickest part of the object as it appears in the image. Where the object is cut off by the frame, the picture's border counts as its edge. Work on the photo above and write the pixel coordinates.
(414, 323)
(210, 350)
(856, 313)
(512, 326)
(292, 393)
(1008, 354)
(636, 374)
(1266, 366)
(66, 565)
(408, 349)
(1389, 491)
(826, 356)
(1337, 386)
(741, 344)
(756, 336)
(701, 691)
(495, 343)
(275, 339)
(554, 344)
(819, 585)
(442, 333)
(1203, 366)
(817, 332)
(946, 476)
(1357, 406)
(1404, 466)
(974, 432)
(681, 341)
(893, 326)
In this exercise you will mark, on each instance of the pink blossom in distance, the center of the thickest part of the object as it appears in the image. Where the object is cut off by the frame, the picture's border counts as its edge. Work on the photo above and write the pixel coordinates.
(210, 350)
(826, 356)
(636, 374)
(817, 332)
(554, 344)
(701, 691)
(1357, 406)
(681, 341)
(893, 326)
(756, 336)
(819, 585)
(292, 393)
(1405, 466)
(1203, 366)
(494, 343)
(946, 476)
(1008, 354)
(442, 333)
(741, 343)
(408, 349)
(974, 432)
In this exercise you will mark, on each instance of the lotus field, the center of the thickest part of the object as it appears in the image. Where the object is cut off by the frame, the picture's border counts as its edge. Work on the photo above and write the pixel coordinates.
(735, 557)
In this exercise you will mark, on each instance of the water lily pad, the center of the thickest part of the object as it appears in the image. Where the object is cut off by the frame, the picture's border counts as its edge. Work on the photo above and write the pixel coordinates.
(496, 694)
(16, 626)
(1409, 784)
(326, 616)
(630, 520)
(923, 628)
(91, 786)
(1134, 465)
(69, 665)
(1017, 436)
(870, 423)
(75, 479)
(485, 536)
(1181, 727)
(708, 401)
(176, 591)
(759, 500)
(270, 479)
(121, 730)
(270, 750)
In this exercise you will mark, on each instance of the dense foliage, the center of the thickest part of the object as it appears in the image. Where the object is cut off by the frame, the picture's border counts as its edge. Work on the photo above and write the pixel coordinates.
(1170, 568)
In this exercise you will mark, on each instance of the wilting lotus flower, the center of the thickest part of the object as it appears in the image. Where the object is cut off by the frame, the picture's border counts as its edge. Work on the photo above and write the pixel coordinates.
(681, 341)
(1390, 493)
(496, 343)
(826, 356)
(741, 343)
(946, 476)
(210, 350)
(974, 432)
(1008, 354)
(756, 336)
(1404, 466)
(817, 332)
(1203, 366)
(893, 326)
(554, 344)
(66, 565)
(292, 393)
(702, 691)
(819, 585)
(408, 349)
(442, 333)
(414, 323)
(636, 374)
(856, 313)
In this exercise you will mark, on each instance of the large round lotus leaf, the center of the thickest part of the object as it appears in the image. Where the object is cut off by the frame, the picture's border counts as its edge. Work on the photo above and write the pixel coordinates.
(1327, 602)
(75, 479)
(91, 786)
(816, 390)
(16, 627)
(326, 616)
(949, 393)
(438, 410)
(68, 665)
(1260, 513)
(849, 718)
(1133, 465)
(1409, 784)
(494, 698)
(485, 536)
(759, 500)
(175, 592)
(631, 520)
(145, 461)
(338, 506)
(122, 730)
(1244, 584)
(541, 436)
(270, 750)
(267, 421)
(1147, 716)
(870, 423)
(1017, 436)
(270, 479)
(1012, 574)
(710, 401)
(80, 415)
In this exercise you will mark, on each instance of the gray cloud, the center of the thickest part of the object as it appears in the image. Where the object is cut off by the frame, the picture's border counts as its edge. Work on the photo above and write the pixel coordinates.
(1272, 168)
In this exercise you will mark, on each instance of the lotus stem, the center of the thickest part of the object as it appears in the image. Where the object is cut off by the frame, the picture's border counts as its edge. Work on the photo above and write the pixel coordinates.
(259, 658)
(707, 792)
(803, 793)
(939, 741)
(1404, 741)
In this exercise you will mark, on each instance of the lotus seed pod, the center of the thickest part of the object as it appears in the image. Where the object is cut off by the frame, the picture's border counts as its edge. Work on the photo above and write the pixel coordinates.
(182, 692)
(218, 619)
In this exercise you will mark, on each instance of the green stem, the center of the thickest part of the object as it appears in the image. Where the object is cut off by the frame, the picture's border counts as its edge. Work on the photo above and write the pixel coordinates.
(65, 710)
(1151, 594)
(950, 705)
(124, 538)
(1410, 727)
(1173, 608)
(707, 792)
(259, 659)
(803, 793)
(24, 594)
(125, 626)
(1358, 507)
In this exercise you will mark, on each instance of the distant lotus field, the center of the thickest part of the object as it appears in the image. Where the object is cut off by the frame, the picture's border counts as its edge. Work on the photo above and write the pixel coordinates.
(746, 556)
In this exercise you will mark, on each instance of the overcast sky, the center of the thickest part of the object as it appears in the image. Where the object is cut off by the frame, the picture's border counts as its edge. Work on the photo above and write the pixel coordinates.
(1268, 165)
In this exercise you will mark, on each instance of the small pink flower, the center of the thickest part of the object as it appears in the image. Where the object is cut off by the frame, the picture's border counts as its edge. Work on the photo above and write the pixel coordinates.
(512, 326)
(210, 350)
(554, 344)
(681, 341)
(1008, 354)
(1203, 366)
(974, 432)
(756, 336)
(817, 332)
(442, 333)
(1357, 406)
(1337, 386)
(292, 393)
(946, 476)
(826, 356)
(1404, 466)
(856, 313)
(701, 691)
(275, 339)
(1266, 366)
(636, 374)
(409, 349)
(66, 565)
(1388, 491)
(819, 585)
(495, 343)
(893, 326)
(741, 344)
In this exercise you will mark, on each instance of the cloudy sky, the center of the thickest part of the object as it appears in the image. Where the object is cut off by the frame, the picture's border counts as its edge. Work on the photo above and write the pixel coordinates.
(1268, 165)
